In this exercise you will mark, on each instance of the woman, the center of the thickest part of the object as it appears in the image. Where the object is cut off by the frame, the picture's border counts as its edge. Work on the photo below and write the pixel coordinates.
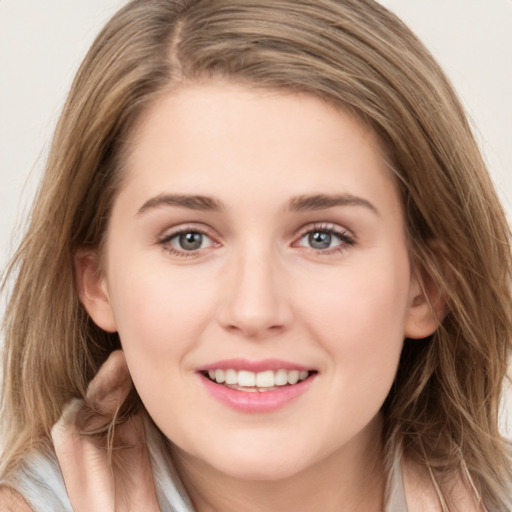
(278, 212)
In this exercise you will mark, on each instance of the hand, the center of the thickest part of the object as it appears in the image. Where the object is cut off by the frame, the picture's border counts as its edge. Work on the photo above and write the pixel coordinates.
(96, 478)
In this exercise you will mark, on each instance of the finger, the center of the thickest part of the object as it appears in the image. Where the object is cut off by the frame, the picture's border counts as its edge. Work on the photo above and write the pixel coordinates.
(97, 477)
(111, 385)
(96, 482)
(84, 460)
(84, 464)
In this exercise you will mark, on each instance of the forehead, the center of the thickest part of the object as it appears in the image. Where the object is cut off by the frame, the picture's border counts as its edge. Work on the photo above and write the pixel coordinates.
(209, 139)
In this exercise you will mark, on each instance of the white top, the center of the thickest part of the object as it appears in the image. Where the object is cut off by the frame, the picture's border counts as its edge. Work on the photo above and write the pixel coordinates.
(40, 482)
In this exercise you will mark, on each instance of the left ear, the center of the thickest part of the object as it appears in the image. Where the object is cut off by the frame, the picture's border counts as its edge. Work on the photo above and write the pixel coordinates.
(92, 289)
(427, 306)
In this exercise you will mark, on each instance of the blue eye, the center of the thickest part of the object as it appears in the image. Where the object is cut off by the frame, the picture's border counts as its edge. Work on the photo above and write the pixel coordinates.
(325, 239)
(187, 241)
(320, 239)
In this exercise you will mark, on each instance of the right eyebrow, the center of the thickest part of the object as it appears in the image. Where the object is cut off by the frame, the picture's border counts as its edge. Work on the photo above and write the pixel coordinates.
(191, 202)
(325, 201)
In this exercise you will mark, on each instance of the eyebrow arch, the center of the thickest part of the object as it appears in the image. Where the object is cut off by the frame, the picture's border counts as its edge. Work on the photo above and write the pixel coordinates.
(324, 201)
(191, 202)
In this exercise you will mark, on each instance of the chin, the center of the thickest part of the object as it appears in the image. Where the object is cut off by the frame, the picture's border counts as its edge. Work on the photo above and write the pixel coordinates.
(261, 470)
(257, 464)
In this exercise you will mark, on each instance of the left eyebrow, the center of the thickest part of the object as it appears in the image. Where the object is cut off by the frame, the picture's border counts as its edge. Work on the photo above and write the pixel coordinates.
(324, 201)
(190, 202)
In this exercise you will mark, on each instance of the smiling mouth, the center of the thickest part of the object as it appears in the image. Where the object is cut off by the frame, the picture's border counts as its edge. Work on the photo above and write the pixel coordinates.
(269, 380)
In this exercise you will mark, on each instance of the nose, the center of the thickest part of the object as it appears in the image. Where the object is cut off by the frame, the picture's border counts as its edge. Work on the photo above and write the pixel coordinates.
(254, 301)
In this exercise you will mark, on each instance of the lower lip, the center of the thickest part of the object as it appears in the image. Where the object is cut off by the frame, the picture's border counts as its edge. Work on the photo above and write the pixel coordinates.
(257, 401)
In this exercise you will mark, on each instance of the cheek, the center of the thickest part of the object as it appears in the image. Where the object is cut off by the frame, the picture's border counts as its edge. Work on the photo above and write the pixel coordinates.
(160, 316)
(360, 326)
(158, 311)
(360, 322)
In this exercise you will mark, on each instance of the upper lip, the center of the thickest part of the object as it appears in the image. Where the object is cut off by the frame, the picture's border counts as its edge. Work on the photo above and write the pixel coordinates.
(253, 366)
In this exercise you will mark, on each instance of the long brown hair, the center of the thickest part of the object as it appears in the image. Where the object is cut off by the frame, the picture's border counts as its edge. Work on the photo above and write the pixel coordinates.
(443, 407)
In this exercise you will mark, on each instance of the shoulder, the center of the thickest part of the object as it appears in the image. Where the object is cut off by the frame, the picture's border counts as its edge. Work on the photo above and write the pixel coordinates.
(35, 484)
(423, 495)
(12, 501)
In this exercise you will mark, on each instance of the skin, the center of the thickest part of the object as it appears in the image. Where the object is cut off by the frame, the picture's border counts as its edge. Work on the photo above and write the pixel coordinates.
(257, 289)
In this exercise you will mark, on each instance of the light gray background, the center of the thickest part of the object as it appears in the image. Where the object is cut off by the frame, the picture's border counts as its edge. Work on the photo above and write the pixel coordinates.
(43, 42)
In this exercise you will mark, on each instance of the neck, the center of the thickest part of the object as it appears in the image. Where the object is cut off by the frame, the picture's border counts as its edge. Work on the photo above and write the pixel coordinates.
(352, 478)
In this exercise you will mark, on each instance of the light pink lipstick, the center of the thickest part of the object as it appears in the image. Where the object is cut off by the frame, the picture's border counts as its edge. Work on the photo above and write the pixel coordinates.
(255, 399)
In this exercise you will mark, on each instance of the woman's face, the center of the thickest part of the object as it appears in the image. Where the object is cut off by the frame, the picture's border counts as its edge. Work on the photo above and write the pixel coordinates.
(258, 237)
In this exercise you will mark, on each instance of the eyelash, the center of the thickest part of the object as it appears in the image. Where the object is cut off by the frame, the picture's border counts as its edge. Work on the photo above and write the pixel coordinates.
(346, 239)
(165, 241)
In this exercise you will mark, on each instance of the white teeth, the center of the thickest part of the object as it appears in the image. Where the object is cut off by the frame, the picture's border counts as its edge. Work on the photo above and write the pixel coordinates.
(247, 379)
(293, 377)
(265, 379)
(231, 377)
(281, 378)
